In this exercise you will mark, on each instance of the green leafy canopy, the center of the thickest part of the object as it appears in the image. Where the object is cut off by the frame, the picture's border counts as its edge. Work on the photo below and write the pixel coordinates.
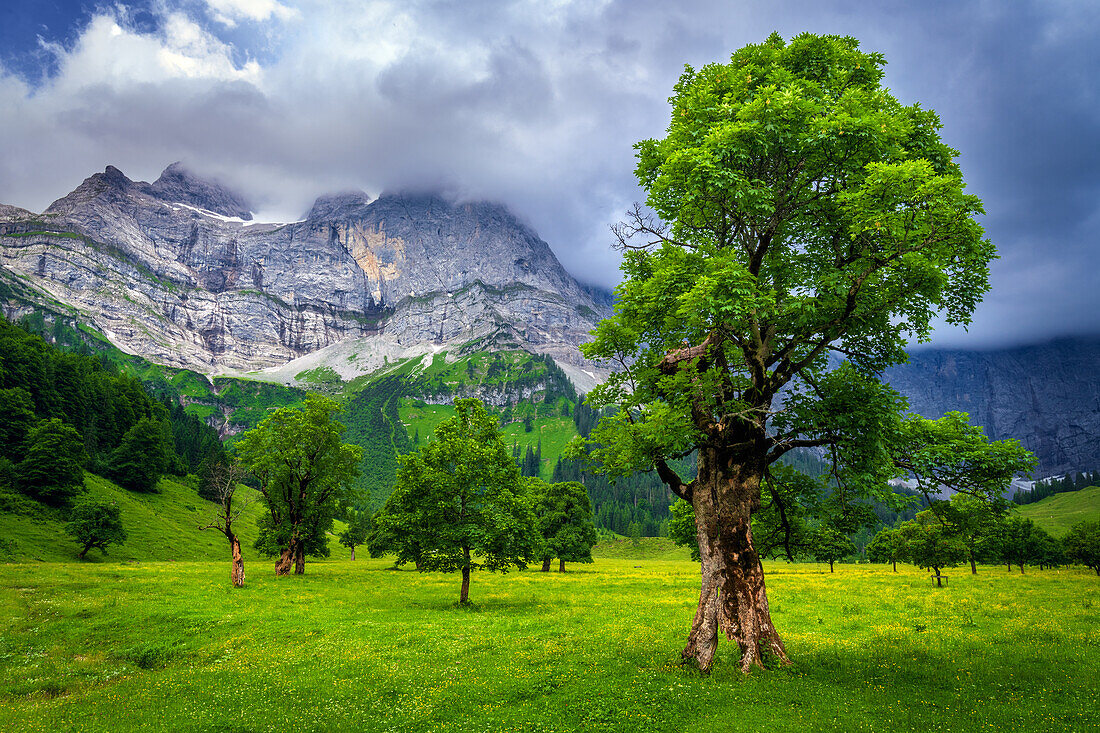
(796, 211)
(459, 502)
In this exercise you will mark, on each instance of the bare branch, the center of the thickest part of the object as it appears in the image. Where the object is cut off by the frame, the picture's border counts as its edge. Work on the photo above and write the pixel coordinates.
(644, 225)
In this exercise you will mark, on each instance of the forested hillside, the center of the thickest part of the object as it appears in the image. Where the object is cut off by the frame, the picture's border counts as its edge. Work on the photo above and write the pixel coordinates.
(61, 408)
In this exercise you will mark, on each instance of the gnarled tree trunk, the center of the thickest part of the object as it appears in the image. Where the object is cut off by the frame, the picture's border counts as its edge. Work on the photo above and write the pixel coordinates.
(236, 573)
(546, 564)
(732, 596)
(300, 558)
(287, 557)
(561, 565)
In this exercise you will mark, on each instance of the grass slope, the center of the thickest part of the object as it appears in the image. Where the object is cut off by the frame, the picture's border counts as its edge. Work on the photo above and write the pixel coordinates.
(1056, 514)
(159, 527)
(357, 646)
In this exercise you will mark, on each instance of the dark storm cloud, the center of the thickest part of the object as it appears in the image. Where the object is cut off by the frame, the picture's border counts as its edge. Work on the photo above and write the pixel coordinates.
(538, 104)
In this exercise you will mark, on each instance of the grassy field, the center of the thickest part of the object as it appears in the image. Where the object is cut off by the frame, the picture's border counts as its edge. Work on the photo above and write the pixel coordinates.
(359, 646)
(1056, 514)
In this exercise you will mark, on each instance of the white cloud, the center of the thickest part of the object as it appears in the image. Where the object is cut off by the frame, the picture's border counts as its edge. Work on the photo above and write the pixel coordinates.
(112, 55)
(228, 12)
(535, 103)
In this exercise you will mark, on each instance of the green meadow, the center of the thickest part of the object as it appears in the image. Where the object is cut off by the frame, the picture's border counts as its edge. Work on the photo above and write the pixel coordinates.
(1056, 514)
(118, 646)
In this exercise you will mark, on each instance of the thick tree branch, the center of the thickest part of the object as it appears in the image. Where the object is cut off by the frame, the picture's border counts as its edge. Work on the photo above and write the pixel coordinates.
(670, 363)
(783, 446)
(672, 479)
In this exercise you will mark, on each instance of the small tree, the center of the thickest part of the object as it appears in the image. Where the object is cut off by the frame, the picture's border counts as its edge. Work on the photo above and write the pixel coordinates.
(357, 530)
(1082, 544)
(830, 546)
(1050, 553)
(887, 546)
(563, 513)
(972, 520)
(222, 480)
(52, 467)
(303, 470)
(1020, 542)
(95, 524)
(929, 545)
(143, 456)
(459, 497)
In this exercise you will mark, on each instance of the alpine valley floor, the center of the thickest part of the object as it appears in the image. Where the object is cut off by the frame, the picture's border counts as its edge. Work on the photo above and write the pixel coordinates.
(358, 645)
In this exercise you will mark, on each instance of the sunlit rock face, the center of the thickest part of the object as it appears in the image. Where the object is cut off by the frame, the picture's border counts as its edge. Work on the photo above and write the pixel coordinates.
(178, 272)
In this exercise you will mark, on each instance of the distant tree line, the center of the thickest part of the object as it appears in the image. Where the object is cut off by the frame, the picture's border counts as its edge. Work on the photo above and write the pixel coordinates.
(966, 531)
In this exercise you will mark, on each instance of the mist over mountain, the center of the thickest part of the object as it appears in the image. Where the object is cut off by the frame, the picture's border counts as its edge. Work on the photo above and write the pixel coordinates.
(178, 272)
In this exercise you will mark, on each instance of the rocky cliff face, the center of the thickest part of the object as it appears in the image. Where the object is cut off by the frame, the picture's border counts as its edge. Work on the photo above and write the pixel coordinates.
(176, 271)
(1047, 396)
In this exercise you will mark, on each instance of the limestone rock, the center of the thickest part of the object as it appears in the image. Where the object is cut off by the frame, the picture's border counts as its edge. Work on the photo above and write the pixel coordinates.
(175, 271)
(1044, 395)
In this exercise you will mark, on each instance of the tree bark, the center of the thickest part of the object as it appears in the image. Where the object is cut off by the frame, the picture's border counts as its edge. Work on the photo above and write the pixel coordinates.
(464, 595)
(830, 566)
(973, 567)
(300, 558)
(732, 595)
(546, 564)
(561, 565)
(353, 552)
(84, 552)
(287, 557)
(895, 565)
(236, 573)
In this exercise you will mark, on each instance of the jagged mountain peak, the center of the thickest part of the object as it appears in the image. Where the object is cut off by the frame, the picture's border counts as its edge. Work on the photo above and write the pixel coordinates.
(113, 176)
(177, 184)
(112, 184)
(334, 206)
(411, 270)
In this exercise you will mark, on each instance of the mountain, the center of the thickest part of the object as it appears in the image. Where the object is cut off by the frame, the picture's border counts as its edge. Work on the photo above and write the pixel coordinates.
(1045, 395)
(177, 271)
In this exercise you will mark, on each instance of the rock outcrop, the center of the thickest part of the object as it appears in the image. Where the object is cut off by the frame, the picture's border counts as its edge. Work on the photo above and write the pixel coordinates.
(1045, 395)
(177, 272)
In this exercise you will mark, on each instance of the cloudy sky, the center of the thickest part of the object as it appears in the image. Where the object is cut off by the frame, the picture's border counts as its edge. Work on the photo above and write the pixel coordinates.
(537, 103)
